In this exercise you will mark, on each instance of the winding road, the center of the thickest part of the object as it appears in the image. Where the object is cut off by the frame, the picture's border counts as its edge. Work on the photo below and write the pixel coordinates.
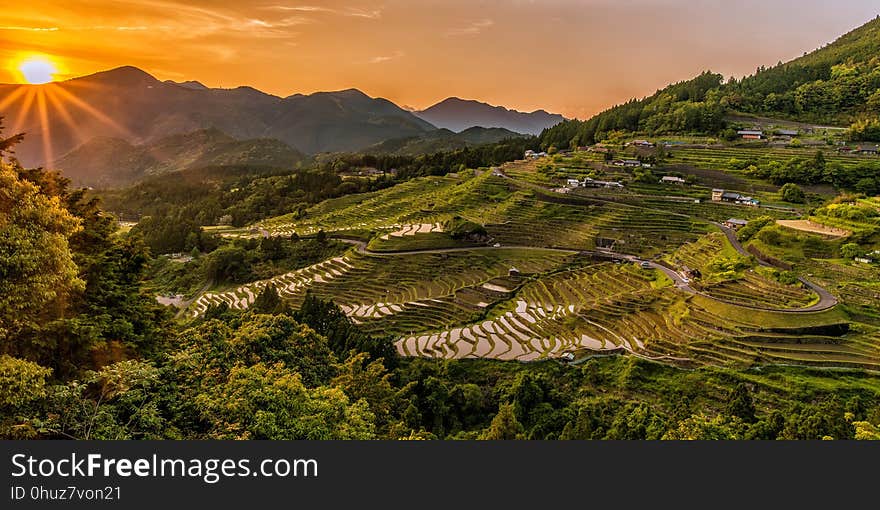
(826, 299)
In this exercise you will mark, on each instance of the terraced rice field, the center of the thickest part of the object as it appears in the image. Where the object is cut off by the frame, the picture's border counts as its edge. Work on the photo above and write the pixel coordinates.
(416, 291)
(289, 284)
(462, 303)
(858, 285)
(707, 210)
(547, 317)
(611, 307)
(721, 157)
(411, 230)
(390, 209)
(511, 216)
(754, 290)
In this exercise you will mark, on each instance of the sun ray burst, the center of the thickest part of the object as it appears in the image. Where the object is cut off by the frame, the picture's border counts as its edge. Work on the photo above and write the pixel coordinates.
(64, 113)
(11, 98)
(91, 110)
(25, 110)
(45, 130)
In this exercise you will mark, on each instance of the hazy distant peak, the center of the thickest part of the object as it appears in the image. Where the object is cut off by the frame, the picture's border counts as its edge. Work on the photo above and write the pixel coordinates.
(454, 99)
(351, 93)
(459, 114)
(122, 76)
(190, 84)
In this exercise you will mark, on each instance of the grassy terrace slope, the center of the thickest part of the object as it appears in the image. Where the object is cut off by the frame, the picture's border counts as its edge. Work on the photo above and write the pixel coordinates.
(458, 298)
(511, 214)
(751, 286)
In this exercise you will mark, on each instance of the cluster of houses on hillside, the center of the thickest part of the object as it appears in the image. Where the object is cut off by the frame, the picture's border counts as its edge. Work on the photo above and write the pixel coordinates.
(867, 149)
(630, 163)
(735, 223)
(530, 154)
(602, 148)
(589, 182)
(868, 258)
(760, 134)
(366, 171)
(671, 179)
(720, 195)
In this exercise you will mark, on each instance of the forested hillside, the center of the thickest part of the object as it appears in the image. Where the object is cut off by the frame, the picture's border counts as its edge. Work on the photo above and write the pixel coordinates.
(832, 85)
(838, 84)
(69, 284)
(172, 208)
(114, 162)
(442, 140)
(689, 106)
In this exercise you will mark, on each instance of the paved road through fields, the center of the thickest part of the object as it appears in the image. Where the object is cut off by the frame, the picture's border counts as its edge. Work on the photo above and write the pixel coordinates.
(826, 299)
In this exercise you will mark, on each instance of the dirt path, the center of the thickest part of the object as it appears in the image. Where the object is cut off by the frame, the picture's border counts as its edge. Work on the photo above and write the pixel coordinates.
(815, 228)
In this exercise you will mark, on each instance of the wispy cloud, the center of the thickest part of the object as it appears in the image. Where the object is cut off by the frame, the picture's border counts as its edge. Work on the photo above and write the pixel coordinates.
(259, 23)
(385, 58)
(473, 28)
(363, 13)
(31, 29)
(349, 11)
(123, 28)
(300, 8)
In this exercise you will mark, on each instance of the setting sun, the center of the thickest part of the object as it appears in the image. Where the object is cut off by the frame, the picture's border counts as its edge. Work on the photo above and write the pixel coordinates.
(37, 70)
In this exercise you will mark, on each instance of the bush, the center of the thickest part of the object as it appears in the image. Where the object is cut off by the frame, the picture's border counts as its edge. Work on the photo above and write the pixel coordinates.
(728, 267)
(752, 228)
(459, 228)
(228, 264)
(771, 236)
(865, 130)
(850, 250)
(792, 193)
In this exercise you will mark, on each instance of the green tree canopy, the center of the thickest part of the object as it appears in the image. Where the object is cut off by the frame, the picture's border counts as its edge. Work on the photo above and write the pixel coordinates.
(271, 402)
(37, 270)
(504, 426)
(793, 193)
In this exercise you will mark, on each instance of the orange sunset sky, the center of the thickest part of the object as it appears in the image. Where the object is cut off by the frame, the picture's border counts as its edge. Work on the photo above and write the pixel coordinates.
(570, 57)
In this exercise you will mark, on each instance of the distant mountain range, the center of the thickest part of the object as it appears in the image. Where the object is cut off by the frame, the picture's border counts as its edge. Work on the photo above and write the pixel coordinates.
(113, 162)
(107, 128)
(459, 114)
(129, 104)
